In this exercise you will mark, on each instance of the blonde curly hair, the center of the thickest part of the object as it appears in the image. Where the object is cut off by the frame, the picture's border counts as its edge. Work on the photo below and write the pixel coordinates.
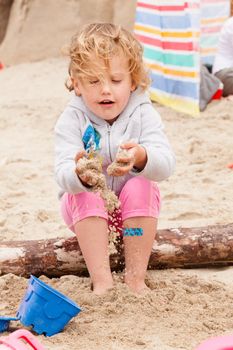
(104, 40)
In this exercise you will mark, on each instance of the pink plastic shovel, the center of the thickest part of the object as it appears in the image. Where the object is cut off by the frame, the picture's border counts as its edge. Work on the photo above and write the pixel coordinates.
(218, 343)
(19, 340)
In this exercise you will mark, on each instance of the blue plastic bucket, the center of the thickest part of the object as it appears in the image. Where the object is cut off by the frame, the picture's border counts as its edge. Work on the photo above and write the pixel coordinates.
(45, 309)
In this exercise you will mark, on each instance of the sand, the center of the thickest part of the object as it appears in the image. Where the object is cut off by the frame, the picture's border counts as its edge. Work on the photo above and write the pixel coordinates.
(90, 166)
(183, 307)
(35, 30)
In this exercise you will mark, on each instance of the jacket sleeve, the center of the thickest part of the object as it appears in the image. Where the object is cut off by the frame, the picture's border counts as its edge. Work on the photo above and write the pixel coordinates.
(68, 142)
(160, 157)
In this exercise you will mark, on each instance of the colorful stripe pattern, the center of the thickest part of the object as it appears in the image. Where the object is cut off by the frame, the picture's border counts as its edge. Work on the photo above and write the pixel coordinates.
(170, 33)
(213, 15)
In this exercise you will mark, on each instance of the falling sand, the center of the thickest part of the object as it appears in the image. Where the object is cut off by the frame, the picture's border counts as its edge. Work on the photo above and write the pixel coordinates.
(91, 166)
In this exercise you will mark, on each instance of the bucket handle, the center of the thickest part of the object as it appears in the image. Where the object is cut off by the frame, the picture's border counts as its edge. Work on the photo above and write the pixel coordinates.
(12, 340)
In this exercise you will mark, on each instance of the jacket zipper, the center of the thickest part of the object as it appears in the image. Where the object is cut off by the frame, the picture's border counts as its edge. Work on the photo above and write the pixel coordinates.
(109, 148)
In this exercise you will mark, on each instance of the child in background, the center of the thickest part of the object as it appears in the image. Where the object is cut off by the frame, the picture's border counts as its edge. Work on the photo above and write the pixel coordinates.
(110, 111)
(223, 62)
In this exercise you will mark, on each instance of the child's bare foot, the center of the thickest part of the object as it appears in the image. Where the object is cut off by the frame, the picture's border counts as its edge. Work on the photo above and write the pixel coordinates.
(137, 287)
(101, 288)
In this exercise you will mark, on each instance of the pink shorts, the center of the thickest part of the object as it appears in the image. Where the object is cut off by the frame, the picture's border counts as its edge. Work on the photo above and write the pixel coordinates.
(139, 197)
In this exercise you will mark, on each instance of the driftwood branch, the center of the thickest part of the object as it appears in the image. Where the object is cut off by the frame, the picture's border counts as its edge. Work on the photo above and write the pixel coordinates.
(183, 247)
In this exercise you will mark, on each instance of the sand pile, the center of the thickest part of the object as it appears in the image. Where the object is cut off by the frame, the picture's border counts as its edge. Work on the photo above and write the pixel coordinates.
(34, 30)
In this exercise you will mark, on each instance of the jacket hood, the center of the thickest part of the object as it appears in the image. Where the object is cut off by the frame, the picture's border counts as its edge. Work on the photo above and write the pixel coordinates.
(137, 98)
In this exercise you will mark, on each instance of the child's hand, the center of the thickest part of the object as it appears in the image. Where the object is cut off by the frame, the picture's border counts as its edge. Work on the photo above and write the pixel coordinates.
(130, 155)
(80, 155)
(87, 169)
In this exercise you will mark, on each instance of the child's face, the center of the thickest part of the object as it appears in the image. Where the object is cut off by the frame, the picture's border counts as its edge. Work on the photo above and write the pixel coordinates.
(107, 98)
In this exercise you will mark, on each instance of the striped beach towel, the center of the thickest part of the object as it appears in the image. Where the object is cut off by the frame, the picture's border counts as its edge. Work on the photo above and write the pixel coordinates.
(213, 15)
(175, 35)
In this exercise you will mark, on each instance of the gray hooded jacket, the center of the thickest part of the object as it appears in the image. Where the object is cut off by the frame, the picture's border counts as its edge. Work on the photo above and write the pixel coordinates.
(138, 122)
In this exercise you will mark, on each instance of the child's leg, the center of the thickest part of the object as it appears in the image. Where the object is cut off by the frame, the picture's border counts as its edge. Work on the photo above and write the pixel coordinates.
(140, 205)
(92, 234)
(137, 251)
(86, 215)
(226, 77)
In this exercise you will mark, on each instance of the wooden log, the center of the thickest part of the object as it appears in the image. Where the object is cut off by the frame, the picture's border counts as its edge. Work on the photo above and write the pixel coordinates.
(172, 248)
(193, 247)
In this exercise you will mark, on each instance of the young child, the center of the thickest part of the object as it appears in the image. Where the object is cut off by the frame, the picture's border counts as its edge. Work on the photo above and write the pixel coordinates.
(110, 112)
(223, 62)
